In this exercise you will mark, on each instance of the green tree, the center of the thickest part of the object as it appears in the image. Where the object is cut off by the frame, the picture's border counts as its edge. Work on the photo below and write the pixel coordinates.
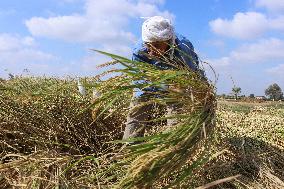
(236, 91)
(274, 92)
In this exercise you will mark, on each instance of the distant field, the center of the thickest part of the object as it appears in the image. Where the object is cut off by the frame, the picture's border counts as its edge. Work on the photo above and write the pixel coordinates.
(252, 104)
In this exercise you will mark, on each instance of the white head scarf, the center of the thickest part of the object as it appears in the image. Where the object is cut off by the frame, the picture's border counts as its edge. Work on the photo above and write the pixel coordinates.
(157, 28)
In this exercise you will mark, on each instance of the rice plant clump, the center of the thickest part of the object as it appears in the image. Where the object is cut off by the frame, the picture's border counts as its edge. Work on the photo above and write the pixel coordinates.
(168, 156)
(53, 136)
(47, 126)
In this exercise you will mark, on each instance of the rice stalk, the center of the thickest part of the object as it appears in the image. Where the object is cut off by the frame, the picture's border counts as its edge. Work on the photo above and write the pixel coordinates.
(164, 153)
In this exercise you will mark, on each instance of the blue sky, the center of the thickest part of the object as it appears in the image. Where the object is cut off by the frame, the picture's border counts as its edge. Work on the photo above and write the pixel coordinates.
(242, 40)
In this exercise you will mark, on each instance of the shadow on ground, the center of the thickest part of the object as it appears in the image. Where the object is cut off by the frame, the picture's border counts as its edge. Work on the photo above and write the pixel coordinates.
(260, 165)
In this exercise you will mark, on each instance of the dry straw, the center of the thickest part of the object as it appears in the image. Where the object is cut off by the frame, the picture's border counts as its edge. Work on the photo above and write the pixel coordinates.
(174, 154)
(58, 142)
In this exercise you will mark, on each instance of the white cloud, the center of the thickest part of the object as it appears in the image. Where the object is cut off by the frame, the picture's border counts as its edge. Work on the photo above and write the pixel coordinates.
(28, 41)
(18, 53)
(154, 1)
(104, 22)
(69, 1)
(217, 43)
(251, 66)
(7, 12)
(219, 62)
(247, 25)
(25, 56)
(277, 70)
(263, 51)
(104, 25)
(92, 60)
(10, 42)
(277, 75)
(243, 25)
(271, 5)
(277, 23)
(260, 52)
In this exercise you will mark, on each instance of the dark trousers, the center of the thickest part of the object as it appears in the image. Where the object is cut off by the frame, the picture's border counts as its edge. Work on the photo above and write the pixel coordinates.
(140, 116)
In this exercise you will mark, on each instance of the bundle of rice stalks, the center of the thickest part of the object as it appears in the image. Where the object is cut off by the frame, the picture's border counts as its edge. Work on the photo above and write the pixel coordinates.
(39, 114)
(45, 121)
(167, 157)
(54, 137)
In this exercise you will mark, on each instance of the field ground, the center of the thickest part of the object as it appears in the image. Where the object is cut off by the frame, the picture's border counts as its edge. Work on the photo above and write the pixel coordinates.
(253, 134)
(45, 130)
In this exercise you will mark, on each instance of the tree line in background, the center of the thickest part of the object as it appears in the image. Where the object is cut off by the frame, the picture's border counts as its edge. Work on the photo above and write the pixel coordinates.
(273, 92)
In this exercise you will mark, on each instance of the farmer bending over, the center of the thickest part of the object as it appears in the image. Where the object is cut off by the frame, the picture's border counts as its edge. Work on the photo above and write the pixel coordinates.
(160, 46)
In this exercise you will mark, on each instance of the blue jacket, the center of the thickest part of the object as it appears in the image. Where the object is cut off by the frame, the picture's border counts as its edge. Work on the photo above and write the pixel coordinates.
(184, 52)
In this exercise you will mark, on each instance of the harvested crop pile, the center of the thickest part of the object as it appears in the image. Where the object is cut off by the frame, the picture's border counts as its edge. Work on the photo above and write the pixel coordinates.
(170, 156)
(46, 126)
(51, 136)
